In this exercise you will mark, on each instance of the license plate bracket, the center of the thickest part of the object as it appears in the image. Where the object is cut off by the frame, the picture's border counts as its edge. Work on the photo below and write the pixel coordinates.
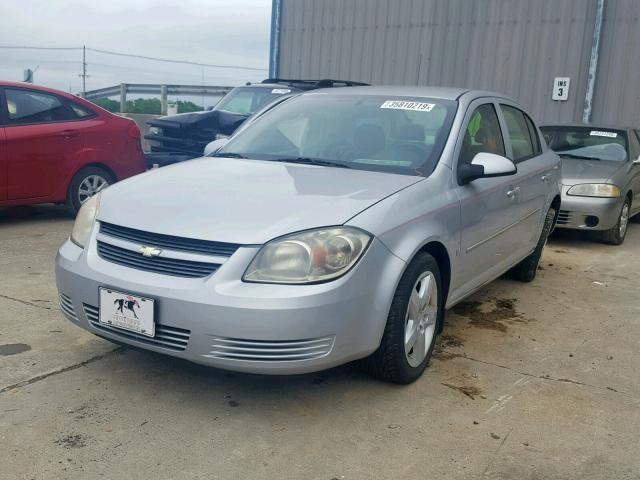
(126, 311)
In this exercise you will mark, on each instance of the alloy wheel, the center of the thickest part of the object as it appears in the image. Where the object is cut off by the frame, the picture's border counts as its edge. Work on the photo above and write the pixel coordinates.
(624, 219)
(91, 185)
(420, 323)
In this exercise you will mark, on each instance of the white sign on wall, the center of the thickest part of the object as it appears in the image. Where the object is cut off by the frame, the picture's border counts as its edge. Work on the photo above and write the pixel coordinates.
(560, 88)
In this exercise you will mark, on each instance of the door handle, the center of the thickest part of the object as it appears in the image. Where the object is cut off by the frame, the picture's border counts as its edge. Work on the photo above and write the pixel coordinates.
(513, 192)
(69, 133)
(544, 178)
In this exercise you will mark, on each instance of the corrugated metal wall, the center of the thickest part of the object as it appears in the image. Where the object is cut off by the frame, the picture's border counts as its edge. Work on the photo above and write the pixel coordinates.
(512, 46)
(617, 89)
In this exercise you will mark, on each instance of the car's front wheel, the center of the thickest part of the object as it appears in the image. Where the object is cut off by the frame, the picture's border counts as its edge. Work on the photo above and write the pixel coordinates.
(85, 184)
(412, 325)
(616, 235)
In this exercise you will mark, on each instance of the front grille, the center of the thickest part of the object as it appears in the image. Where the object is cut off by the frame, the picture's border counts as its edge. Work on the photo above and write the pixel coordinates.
(66, 305)
(163, 265)
(170, 242)
(270, 351)
(564, 217)
(172, 338)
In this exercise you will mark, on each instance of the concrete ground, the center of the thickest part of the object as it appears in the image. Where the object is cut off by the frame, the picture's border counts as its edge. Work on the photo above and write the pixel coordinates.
(531, 381)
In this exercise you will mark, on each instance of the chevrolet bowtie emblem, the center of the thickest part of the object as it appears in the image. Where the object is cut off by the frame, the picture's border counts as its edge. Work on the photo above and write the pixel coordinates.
(149, 251)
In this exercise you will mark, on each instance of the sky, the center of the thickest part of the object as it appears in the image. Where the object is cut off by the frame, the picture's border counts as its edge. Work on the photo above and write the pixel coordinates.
(223, 32)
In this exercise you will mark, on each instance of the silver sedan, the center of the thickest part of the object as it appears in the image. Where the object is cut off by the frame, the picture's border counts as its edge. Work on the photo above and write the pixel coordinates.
(335, 226)
(600, 177)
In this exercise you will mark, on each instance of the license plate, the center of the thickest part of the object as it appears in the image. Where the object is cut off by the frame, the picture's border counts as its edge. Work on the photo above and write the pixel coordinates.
(127, 312)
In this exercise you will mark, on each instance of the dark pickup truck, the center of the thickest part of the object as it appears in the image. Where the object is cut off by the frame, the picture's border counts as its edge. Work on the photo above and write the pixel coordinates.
(180, 137)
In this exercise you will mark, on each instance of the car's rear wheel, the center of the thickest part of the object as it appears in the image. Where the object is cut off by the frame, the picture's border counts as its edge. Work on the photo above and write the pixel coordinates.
(526, 270)
(617, 234)
(412, 325)
(85, 184)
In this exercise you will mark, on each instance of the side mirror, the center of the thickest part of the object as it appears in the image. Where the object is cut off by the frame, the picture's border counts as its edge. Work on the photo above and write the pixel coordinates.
(213, 147)
(486, 165)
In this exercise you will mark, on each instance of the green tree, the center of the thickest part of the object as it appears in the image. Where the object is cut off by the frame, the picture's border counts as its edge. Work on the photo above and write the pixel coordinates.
(108, 104)
(145, 105)
(184, 107)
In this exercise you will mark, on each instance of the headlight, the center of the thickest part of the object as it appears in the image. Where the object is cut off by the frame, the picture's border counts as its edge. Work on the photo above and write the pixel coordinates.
(155, 131)
(85, 220)
(594, 190)
(308, 257)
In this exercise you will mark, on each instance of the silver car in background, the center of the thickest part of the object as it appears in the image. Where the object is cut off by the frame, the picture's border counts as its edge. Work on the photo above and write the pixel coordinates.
(337, 226)
(600, 177)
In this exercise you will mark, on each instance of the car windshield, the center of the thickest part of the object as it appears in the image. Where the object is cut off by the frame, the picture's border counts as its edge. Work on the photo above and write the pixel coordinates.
(588, 143)
(246, 100)
(368, 132)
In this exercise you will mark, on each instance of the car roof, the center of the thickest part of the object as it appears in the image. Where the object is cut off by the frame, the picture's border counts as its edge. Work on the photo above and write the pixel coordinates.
(444, 93)
(30, 86)
(588, 125)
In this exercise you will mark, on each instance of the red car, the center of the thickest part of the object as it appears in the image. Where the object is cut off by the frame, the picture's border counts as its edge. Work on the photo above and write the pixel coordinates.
(58, 148)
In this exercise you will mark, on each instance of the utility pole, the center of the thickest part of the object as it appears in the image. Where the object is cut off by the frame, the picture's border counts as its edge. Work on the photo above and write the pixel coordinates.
(84, 72)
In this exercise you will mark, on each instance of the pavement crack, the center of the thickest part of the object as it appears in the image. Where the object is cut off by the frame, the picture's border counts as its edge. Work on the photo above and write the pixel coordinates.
(69, 368)
(541, 377)
(484, 473)
(24, 302)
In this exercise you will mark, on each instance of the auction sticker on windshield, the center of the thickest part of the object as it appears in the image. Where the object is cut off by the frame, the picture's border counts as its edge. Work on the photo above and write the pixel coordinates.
(126, 311)
(402, 105)
(598, 133)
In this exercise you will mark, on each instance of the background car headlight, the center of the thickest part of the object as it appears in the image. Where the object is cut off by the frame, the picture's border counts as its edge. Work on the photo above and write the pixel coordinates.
(155, 131)
(308, 257)
(84, 220)
(594, 190)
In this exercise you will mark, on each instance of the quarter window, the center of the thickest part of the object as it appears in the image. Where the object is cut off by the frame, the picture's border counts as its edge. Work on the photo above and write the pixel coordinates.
(27, 106)
(483, 134)
(80, 111)
(520, 129)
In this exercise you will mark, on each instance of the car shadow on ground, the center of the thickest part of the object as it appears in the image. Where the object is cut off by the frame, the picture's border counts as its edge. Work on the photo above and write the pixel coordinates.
(30, 213)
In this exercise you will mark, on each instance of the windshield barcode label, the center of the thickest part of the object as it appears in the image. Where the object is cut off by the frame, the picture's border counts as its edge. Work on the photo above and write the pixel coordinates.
(401, 105)
(598, 133)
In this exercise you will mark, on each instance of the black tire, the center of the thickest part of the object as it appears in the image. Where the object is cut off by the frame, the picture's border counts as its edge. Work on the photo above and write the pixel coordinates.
(73, 201)
(389, 362)
(526, 270)
(616, 235)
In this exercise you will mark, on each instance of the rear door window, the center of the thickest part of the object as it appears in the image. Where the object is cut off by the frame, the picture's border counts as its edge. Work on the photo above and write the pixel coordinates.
(520, 128)
(28, 107)
(483, 134)
(80, 111)
(634, 144)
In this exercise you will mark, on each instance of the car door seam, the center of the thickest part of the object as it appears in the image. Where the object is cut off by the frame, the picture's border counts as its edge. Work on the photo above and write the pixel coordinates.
(500, 232)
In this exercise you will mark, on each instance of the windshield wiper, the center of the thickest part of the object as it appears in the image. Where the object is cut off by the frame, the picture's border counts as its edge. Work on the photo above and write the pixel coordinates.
(226, 154)
(310, 161)
(579, 157)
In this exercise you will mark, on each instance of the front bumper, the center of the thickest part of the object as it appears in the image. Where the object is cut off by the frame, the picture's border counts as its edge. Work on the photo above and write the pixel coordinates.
(223, 322)
(588, 213)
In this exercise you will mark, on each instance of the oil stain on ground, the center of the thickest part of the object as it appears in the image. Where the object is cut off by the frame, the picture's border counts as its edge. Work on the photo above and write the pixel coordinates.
(14, 348)
(444, 342)
(503, 310)
(72, 441)
(469, 391)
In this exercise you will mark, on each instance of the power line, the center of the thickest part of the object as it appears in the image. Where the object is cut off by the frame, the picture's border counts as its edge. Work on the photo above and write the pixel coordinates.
(24, 47)
(131, 55)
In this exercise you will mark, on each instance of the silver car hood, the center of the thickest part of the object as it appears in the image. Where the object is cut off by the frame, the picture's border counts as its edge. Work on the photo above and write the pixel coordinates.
(588, 171)
(244, 201)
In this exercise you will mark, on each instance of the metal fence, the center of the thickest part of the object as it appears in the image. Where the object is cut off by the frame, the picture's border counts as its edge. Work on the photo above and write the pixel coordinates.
(162, 90)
